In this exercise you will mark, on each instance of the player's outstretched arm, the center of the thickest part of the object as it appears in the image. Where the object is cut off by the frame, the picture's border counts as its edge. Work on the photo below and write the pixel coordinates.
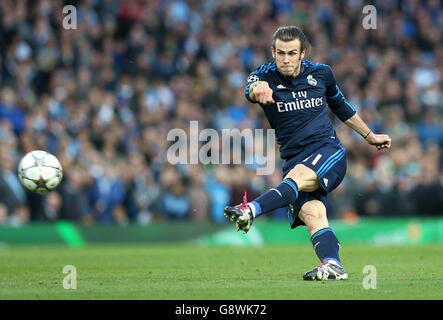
(380, 141)
(261, 93)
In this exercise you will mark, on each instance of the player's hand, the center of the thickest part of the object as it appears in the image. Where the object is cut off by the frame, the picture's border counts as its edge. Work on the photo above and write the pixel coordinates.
(262, 92)
(380, 141)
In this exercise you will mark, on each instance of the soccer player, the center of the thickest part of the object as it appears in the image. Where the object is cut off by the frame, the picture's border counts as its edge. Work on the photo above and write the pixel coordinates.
(293, 93)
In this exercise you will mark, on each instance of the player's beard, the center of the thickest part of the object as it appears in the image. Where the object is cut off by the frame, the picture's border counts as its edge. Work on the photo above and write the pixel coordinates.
(287, 72)
(295, 72)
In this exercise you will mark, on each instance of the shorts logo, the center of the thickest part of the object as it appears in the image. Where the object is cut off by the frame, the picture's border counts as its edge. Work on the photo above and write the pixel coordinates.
(253, 78)
(325, 181)
(311, 80)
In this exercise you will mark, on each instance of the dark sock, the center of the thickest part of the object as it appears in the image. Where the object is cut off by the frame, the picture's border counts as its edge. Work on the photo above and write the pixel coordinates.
(326, 245)
(282, 195)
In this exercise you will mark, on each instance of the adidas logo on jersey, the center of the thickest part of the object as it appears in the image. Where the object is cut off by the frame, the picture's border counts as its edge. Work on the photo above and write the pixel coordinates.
(280, 86)
(325, 181)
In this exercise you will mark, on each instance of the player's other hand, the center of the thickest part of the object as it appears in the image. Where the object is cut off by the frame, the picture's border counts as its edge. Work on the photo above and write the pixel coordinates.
(262, 93)
(380, 141)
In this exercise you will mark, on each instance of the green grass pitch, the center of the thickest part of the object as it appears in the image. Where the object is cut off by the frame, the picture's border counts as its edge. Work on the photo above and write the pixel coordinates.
(164, 272)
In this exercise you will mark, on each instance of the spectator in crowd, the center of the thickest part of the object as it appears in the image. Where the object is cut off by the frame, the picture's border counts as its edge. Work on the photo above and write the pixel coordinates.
(12, 194)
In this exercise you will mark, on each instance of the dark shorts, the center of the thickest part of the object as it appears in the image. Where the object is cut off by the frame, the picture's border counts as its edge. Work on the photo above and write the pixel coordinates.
(329, 163)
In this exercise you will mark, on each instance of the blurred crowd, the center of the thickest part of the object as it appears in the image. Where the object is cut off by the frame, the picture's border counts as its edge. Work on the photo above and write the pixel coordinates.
(102, 97)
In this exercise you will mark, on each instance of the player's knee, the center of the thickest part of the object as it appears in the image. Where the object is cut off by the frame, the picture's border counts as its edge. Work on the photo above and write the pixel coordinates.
(305, 178)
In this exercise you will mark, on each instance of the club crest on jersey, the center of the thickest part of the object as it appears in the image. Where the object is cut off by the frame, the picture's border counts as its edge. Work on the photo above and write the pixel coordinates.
(253, 78)
(311, 80)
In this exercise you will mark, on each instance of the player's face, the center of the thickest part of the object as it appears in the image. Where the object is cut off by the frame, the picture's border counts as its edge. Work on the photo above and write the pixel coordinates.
(288, 56)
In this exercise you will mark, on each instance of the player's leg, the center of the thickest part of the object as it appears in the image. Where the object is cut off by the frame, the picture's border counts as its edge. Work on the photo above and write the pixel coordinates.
(299, 179)
(313, 214)
(324, 241)
(323, 168)
(305, 178)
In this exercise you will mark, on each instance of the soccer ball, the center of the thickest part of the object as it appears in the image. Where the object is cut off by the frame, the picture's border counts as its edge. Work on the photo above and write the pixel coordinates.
(40, 172)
